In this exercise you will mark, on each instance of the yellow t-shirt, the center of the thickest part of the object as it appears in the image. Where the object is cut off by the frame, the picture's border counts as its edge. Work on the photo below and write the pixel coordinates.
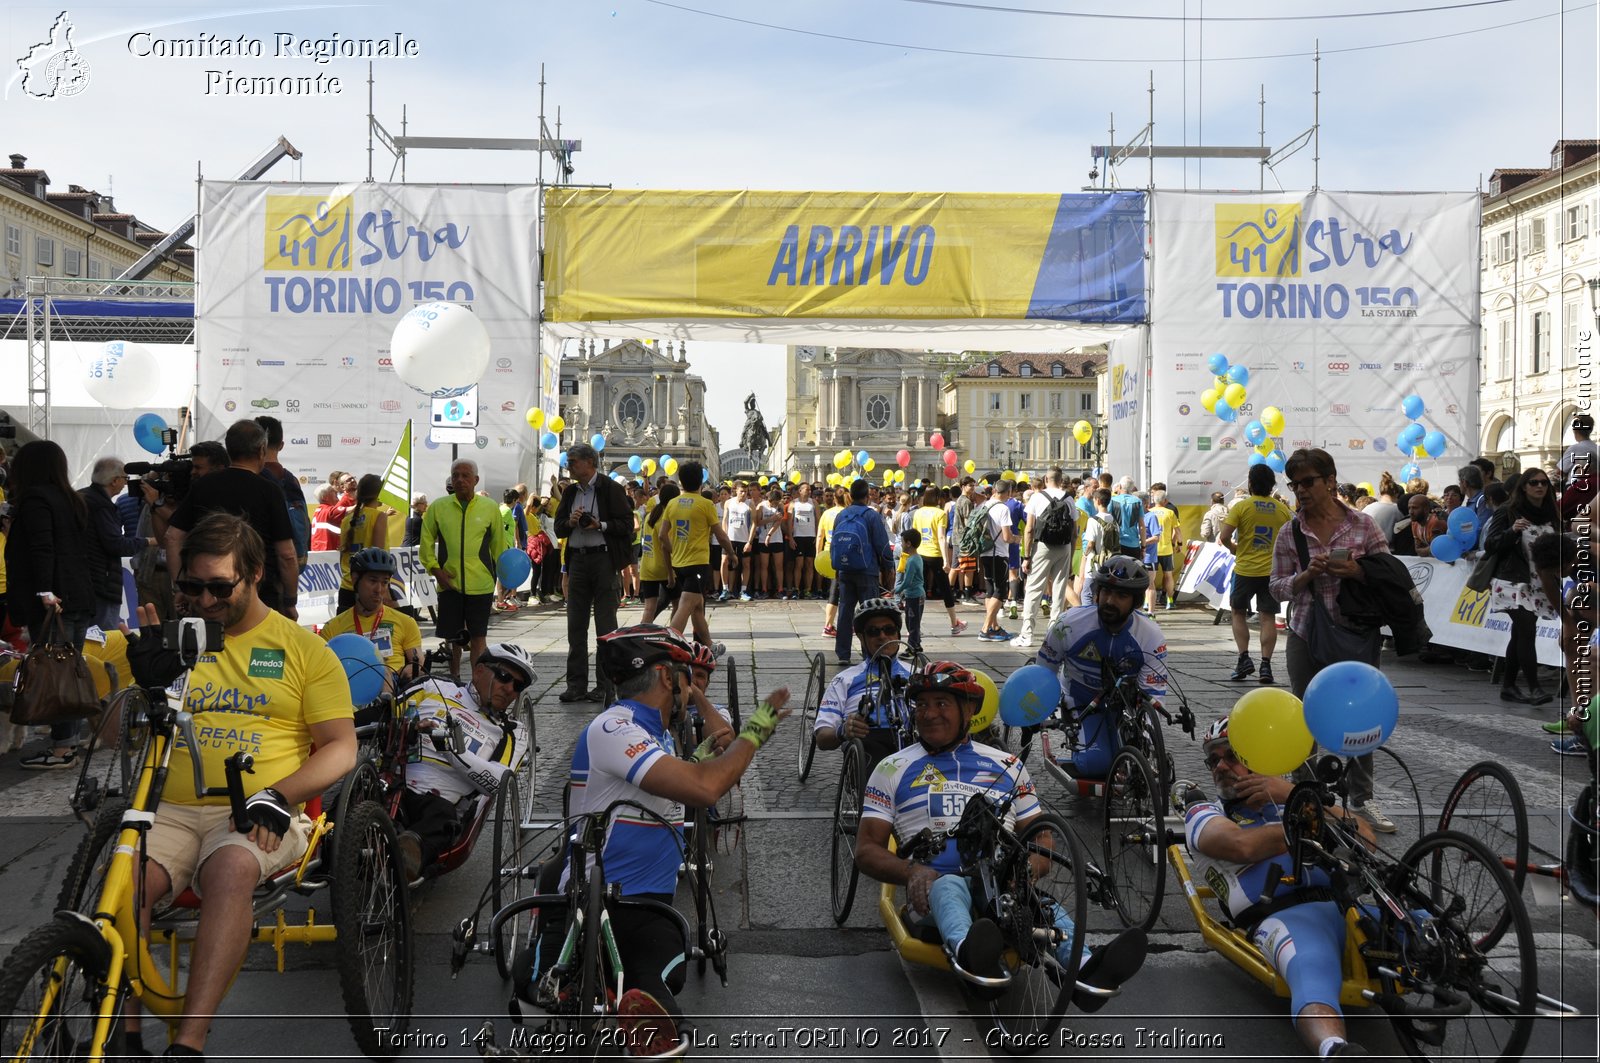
(259, 696)
(392, 631)
(655, 553)
(355, 534)
(691, 519)
(930, 522)
(825, 527)
(1255, 521)
(1168, 520)
(113, 651)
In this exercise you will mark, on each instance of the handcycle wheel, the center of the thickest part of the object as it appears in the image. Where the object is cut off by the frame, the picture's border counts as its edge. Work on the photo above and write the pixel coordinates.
(700, 885)
(528, 771)
(1464, 890)
(1141, 730)
(1486, 804)
(1408, 838)
(591, 1005)
(363, 784)
(90, 860)
(1048, 907)
(1134, 836)
(133, 734)
(507, 872)
(734, 719)
(815, 683)
(846, 822)
(50, 993)
(1581, 860)
(372, 920)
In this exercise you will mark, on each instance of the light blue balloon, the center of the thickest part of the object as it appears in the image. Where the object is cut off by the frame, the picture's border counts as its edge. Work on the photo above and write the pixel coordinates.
(1445, 547)
(1410, 472)
(1468, 540)
(1238, 374)
(861, 457)
(1411, 435)
(1412, 406)
(1218, 364)
(1225, 411)
(513, 567)
(1030, 696)
(1276, 461)
(549, 441)
(147, 432)
(561, 459)
(358, 655)
(1463, 521)
(1255, 432)
(636, 464)
(1351, 708)
(1256, 458)
(661, 462)
(597, 441)
(1434, 443)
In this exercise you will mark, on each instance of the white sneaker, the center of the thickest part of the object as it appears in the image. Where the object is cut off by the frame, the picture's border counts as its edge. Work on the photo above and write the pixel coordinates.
(1374, 813)
(1021, 643)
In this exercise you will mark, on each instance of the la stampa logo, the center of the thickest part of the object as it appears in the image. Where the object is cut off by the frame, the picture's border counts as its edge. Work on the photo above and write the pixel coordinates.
(53, 67)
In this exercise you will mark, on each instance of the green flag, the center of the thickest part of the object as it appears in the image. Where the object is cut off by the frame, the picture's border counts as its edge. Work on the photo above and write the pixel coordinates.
(396, 491)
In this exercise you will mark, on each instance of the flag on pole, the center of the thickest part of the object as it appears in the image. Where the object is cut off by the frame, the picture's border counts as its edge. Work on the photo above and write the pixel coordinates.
(396, 491)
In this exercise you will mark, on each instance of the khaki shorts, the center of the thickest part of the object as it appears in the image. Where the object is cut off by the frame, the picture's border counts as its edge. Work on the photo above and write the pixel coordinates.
(184, 837)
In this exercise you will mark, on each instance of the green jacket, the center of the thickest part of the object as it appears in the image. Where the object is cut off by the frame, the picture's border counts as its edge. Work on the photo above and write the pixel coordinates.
(465, 541)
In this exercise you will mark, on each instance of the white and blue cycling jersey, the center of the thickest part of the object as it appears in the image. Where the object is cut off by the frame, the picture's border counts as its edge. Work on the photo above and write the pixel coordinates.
(1088, 658)
(1237, 886)
(914, 789)
(844, 695)
(612, 757)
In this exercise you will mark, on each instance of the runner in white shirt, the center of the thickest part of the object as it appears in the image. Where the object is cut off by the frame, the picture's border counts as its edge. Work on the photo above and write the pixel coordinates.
(1046, 566)
(736, 522)
(803, 527)
(993, 564)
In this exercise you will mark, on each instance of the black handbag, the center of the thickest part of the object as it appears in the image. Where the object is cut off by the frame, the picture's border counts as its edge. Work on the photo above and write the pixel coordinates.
(53, 682)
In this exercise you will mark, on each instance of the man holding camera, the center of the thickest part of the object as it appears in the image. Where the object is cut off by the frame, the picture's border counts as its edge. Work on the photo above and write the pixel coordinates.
(596, 519)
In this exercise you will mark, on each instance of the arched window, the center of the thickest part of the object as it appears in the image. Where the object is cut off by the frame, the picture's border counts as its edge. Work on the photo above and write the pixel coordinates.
(630, 408)
(878, 410)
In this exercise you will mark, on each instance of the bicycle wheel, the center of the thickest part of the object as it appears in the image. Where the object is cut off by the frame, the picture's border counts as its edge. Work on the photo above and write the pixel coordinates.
(591, 1007)
(528, 772)
(373, 924)
(807, 735)
(507, 871)
(50, 993)
(1486, 804)
(846, 821)
(133, 735)
(700, 885)
(87, 872)
(1403, 838)
(1581, 859)
(1143, 732)
(1043, 914)
(361, 785)
(1134, 837)
(734, 719)
(1461, 890)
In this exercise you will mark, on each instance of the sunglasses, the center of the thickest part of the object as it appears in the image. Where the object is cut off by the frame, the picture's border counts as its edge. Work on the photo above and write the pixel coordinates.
(1223, 757)
(1305, 484)
(511, 679)
(219, 589)
(880, 629)
(1536, 483)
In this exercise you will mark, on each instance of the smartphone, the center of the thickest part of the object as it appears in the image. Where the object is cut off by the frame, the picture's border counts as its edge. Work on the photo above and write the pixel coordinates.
(1339, 553)
(192, 636)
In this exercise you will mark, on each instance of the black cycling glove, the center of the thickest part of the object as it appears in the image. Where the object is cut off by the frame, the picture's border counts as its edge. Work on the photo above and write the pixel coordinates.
(268, 808)
(154, 666)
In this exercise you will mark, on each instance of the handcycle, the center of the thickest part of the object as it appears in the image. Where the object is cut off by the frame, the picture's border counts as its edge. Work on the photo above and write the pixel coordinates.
(816, 685)
(585, 980)
(1437, 937)
(1133, 822)
(1024, 880)
(65, 985)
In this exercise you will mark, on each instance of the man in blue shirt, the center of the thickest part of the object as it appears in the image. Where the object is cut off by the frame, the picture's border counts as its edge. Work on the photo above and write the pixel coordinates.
(856, 587)
(1127, 512)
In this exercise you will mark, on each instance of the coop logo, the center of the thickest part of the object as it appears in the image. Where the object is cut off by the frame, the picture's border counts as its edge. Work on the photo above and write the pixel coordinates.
(53, 68)
(1357, 444)
(386, 363)
(1183, 409)
(270, 361)
(389, 406)
(1339, 368)
(1378, 366)
(1257, 239)
(318, 234)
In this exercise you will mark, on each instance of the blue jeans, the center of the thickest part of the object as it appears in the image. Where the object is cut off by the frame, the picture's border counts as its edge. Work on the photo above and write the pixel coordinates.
(854, 588)
(950, 904)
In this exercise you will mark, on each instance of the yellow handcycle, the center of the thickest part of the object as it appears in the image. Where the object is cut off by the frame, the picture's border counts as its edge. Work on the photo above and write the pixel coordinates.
(64, 988)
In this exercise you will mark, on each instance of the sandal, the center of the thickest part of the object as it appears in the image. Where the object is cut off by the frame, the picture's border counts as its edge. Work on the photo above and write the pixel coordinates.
(48, 760)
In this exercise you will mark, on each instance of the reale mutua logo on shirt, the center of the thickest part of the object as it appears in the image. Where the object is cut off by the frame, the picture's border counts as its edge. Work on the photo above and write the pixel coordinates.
(266, 664)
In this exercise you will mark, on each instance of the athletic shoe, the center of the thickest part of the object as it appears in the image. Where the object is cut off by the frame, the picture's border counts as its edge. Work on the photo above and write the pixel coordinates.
(49, 761)
(1380, 822)
(1266, 672)
(1021, 643)
(1109, 966)
(1171, 605)
(958, 627)
(745, 597)
(830, 631)
(718, 650)
(979, 952)
(1568, 747)
(1559, 727)
(645, 1026)
(998, 634)
(722, 597)
(1244, 669)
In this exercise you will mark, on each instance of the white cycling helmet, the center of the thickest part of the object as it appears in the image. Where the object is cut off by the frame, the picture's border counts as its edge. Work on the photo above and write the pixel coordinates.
(510, 654)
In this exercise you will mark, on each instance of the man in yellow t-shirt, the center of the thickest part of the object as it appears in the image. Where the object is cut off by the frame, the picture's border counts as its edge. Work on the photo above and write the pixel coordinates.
(691, 522)
(656, 587)
(1166, 543)
(1249, 530)
(274, 691)
(396, 635)
(932, 523)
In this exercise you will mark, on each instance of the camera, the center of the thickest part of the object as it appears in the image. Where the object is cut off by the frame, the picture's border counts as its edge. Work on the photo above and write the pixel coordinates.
(170, 477)
(189, 637)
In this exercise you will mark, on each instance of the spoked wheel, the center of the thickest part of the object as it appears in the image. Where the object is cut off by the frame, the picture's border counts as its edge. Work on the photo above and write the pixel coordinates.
(816, 682)
(591, 1007)
(360, 786)
(87, 872)
(507, 872)
(1143, 733)
(1486, 804)
(1465, 892)
(373, 924)
(734, 719)
(846, 822)
(1043, 906)
(1581, 860)
(133, 735)
(528, 770)
(1135, 837)
(50, 990)
(1404, 838)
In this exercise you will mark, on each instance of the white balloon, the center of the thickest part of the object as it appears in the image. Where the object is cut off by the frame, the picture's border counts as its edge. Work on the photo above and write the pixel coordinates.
(123, 376)
(440, 349)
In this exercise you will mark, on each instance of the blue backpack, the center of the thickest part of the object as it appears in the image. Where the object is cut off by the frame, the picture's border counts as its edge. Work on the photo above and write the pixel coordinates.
(850, 546)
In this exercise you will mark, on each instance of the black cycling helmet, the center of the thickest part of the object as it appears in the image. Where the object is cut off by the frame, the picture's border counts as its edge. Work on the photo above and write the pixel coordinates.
(876, 607)
(1124, 574)
(628, 651)
(374, 559)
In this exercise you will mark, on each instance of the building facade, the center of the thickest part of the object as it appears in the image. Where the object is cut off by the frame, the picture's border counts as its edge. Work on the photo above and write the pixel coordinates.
(1540, 304)
(1017, 411)
(876, 399)
(642, 398)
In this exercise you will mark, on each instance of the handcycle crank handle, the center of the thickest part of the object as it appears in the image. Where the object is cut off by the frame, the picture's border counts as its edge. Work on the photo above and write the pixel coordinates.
(235, 768)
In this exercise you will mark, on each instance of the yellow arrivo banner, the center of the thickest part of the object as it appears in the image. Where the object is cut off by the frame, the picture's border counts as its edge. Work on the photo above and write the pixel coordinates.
(620, 255)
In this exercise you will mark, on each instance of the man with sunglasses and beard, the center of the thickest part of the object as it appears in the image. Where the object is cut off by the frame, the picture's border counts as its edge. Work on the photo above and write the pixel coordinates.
(465, 729)
(276, 692)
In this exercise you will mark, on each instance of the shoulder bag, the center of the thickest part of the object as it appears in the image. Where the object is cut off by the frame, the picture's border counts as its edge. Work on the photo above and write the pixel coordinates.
(1329, 640)
(53, 682)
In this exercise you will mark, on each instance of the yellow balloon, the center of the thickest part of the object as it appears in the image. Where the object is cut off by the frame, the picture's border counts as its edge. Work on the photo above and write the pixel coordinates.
(840, 460)
(671, 467)
(1208, 399)
(795, 477)
(1265, 448)
(557, 424)
(991, 703)
(1267, 728)
(969, 466)
(824, 564)
(1235, 394)
(649, 466)
(1022, 477)
(1367, 487)
(535, 417)
(1009, 476)
(1082, 431)
(899, 476)
(764, 481)
(1221, 384)
(1419, 451)
(1272, 421)
(872, 463)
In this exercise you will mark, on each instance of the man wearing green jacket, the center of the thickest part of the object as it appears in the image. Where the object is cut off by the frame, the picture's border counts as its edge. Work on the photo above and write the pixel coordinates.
(462, 537)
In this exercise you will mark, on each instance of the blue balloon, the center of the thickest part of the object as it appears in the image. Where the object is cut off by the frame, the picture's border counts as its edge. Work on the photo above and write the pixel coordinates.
(1276, 461)
(147, 432)
(1445, 547)
(636, 464)
(1462, 521)
(597, 441)
(1238, 374)
(513, 567)
(1434, 443)
(1351, 708)
(561, 459)
(1218, 364)
(549, 441)
(1411, 435)
(661, 462)
(1412, 406)
(1256, 458)
(359, 657)
(1030, 696)
(1255, 432)
(1225, 411)
(861, 457)
(1410, 472)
